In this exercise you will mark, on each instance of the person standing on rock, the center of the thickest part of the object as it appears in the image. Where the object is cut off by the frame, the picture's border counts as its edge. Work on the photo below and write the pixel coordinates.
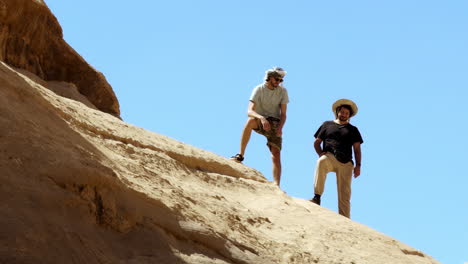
(266, 115)
(339, 139)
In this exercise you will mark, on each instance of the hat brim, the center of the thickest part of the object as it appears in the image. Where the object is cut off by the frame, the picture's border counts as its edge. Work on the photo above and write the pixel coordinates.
(341, 102)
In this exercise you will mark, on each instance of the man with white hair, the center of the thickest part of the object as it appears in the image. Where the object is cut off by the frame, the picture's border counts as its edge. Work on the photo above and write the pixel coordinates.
(267, 115)
(339, 139)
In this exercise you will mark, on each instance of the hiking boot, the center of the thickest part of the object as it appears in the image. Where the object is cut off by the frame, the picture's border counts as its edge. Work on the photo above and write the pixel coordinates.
(237, 158)
(316, 199)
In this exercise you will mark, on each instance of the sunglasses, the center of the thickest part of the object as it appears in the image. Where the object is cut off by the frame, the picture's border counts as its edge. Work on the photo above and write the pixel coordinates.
(279, 79)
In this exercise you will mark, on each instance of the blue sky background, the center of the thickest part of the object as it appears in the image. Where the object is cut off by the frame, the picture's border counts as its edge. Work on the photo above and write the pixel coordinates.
(185, 69)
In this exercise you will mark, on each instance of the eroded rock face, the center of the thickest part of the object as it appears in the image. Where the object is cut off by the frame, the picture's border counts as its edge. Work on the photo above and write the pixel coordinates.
(80, 186)
(31, 39)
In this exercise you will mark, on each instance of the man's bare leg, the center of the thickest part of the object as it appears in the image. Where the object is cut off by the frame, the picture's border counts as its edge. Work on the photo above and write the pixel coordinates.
(246, 133)
(276, 158)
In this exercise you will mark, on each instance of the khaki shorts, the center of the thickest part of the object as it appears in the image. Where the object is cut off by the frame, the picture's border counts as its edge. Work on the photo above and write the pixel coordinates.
(272, 139)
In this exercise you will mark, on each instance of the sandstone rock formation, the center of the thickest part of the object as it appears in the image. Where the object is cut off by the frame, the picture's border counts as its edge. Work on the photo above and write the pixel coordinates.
(81, 186)
(31, 39)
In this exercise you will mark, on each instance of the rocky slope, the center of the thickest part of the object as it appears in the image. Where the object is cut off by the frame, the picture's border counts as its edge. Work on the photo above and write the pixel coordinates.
(31, 39)
(81, 186)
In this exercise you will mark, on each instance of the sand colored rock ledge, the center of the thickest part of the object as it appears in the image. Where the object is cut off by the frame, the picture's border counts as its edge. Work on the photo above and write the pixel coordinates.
(82, 186)
(79, 185)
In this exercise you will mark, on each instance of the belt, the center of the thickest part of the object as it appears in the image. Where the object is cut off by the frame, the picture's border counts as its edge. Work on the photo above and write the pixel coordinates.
(273, 119)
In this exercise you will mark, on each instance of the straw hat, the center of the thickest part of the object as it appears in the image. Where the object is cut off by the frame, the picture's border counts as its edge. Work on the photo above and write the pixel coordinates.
(345, 102)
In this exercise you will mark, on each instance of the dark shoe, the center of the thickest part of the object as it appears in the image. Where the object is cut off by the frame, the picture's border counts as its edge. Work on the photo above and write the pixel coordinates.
(237, 158)
(316, 200)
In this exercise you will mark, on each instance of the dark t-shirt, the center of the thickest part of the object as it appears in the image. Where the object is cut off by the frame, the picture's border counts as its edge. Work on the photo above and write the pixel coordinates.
(339, 139)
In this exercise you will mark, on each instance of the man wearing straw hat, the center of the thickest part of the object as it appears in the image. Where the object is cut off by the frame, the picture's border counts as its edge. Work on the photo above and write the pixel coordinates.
(267, 115)
(339, 139)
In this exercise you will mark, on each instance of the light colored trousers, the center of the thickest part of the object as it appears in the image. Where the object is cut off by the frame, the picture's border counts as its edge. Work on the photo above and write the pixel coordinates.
(344, 173)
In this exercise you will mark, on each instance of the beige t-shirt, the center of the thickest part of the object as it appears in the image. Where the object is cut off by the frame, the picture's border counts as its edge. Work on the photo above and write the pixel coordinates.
(268, 102)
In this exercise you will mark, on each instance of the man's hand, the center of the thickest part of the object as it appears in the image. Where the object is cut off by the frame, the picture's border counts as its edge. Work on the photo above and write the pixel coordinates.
(357, 171)
(357, 158)
(265, 124)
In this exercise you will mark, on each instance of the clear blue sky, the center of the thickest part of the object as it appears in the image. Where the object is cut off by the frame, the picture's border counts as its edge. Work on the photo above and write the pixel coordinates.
(185, 69)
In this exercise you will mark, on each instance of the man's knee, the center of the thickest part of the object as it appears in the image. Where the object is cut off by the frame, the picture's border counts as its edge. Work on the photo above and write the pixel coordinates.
(324, 165)
(252, 123)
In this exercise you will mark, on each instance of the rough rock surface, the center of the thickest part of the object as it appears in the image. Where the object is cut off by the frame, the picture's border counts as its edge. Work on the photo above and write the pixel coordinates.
(31, 39)
(81, 186)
